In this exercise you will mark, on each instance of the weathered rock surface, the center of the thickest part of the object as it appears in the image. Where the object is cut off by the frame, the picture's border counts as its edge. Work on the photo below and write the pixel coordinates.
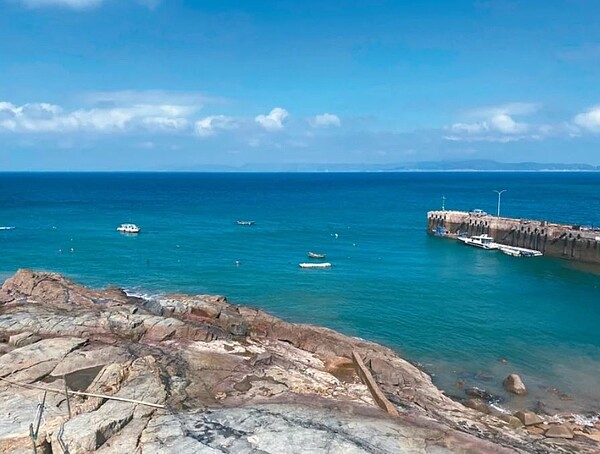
(559, 431)
(228, 378)
(515, 385)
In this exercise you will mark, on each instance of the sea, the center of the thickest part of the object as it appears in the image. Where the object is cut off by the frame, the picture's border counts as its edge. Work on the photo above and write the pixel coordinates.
(468, 317)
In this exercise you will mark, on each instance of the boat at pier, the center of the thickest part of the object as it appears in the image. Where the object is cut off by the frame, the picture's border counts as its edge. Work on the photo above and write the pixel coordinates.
(519, 251)
(481, 241)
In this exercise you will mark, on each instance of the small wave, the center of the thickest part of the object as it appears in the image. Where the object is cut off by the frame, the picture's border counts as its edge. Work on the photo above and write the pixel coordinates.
(588, 420)
(139, 293)
(6, 228)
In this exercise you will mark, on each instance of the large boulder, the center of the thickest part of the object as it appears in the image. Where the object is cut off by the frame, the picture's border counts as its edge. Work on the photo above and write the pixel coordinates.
(515, 385)
(559, 431)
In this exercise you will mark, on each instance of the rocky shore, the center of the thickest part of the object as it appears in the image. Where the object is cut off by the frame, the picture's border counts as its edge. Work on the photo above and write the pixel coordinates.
(194, 374)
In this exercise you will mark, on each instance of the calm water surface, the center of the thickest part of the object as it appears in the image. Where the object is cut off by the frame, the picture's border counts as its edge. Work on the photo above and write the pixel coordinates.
(455, 310)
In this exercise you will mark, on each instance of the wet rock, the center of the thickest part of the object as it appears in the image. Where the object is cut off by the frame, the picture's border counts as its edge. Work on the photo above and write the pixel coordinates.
(528, 418)
(559, 431)
(515, 385)
(482, 394)
(477, 404)
(22, 339)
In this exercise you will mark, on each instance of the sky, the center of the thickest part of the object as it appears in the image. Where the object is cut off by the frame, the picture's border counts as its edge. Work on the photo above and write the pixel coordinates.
(193, 85)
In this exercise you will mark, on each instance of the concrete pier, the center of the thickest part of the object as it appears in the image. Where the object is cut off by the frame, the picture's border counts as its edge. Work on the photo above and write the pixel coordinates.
(554, 240)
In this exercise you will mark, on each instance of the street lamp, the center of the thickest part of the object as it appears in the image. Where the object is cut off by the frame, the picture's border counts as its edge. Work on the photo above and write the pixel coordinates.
(499, 195)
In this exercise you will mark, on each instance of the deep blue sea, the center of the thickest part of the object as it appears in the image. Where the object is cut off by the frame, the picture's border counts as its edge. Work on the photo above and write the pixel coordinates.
(455, 310)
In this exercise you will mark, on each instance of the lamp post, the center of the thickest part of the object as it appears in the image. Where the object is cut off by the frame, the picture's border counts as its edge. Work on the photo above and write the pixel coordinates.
(499, 195)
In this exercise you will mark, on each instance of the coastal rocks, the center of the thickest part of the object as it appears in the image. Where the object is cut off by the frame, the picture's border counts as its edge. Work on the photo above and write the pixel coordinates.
(559, 431)
(529, 418)
(515, 385)
(226, 378)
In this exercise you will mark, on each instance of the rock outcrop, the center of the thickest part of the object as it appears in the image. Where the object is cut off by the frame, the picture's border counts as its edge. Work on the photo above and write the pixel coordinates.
(195, 374)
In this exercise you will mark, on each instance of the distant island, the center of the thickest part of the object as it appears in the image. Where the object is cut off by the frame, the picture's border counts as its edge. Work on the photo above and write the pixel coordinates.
(474, 165)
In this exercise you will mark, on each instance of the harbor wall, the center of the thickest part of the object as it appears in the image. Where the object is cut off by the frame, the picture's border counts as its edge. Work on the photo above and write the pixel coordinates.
(554, 240)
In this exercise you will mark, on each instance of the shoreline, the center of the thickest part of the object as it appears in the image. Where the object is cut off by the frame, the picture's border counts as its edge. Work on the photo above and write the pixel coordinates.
(247, 358)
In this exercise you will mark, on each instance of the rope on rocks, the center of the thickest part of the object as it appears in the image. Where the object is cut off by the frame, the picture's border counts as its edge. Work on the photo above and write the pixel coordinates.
(80, 393)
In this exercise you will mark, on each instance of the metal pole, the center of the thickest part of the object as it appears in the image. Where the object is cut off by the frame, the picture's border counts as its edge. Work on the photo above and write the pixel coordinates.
(499, 194)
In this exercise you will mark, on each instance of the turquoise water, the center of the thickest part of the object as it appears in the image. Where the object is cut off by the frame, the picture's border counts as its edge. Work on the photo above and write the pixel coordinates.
(455, 310)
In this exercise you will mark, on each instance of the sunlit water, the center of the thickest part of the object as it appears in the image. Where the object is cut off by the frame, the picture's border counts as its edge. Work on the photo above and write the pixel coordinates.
(455, 310)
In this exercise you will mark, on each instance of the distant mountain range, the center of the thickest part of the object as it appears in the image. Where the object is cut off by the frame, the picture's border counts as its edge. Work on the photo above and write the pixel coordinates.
(475, 165)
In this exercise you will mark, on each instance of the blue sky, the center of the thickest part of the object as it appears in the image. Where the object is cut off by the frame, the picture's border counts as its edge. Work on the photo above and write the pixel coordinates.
(175, 85)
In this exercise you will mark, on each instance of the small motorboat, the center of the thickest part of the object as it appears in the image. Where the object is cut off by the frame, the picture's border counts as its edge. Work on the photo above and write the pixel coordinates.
(315, 255)
(128, 228)
(315, 265)
(244, 222)
(481, 241)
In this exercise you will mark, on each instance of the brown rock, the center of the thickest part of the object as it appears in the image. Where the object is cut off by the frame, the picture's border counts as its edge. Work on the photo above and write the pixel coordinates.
(515, 385)
(477, 404)
(559, 431)
(529, 418)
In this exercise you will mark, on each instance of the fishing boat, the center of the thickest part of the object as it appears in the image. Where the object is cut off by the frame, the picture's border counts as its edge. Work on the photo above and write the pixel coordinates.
(244, 222)
(128, 228)
(315, 255)
(481, 241)
(315, 265)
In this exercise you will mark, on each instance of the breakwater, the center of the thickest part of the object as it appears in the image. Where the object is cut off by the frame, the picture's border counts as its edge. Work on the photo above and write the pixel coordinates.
(565, 241)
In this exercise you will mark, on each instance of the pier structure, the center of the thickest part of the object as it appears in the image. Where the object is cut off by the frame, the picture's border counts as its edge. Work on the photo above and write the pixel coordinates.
(554, 240)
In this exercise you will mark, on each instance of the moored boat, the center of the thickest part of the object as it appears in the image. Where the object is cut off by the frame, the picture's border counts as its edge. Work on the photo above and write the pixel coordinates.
(316, 255)
(481, 241)
(519, 251)
(128, 228)
(315, 265)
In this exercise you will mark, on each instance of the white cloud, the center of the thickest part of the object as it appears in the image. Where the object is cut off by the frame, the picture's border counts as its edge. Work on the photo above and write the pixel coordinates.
(325, 120)
(589, 120)
(274, 120)
(49, 118)
(76, 4)
(208, 126)
(496, 124)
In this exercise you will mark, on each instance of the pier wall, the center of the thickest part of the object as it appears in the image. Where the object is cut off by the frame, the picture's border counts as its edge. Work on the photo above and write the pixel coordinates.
(554, 240)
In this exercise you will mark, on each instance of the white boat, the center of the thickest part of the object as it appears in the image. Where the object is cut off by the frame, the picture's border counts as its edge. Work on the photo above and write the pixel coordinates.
(315, 265)
(519, 251)
(244, 222)
(128, 228)
(315, 255)
(481, 241)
